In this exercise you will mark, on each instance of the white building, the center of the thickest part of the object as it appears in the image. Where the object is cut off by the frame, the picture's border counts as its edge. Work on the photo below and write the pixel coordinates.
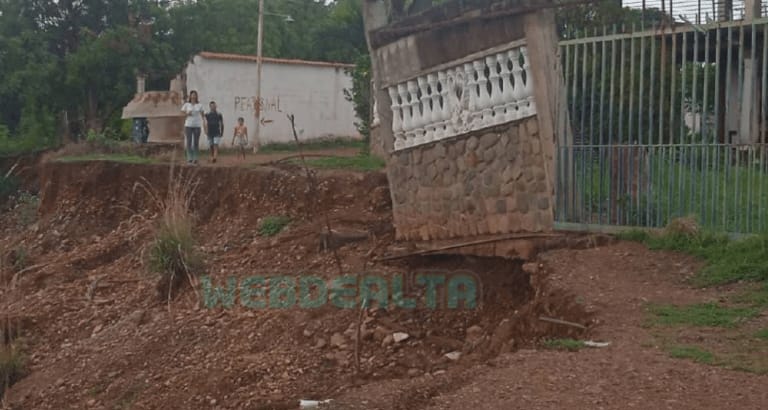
(312, 91)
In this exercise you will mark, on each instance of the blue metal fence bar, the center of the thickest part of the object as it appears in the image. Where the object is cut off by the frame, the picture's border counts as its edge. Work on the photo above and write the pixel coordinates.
(601, 179)
(705, 120)
(718, 120)
(741, 86)
(763, 119)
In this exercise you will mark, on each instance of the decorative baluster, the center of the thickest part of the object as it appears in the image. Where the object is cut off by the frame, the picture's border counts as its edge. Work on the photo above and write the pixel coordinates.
(483, 97)
(529, 99)
(417, 116)
(405, 107)
(397, 119)
(445, 96)
(426, 110)
(470, 87)
(496, 106)
(434, 129)
(513, 106)
(500, 109)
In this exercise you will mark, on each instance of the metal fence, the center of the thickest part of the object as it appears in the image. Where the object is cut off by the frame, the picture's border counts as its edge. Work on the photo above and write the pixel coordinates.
(664, 124)
(696, 11)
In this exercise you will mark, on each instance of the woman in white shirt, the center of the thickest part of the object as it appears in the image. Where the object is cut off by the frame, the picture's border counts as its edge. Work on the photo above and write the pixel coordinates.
(192, 125)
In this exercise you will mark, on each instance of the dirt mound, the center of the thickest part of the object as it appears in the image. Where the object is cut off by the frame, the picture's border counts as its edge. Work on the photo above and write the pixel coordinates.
(98, 337)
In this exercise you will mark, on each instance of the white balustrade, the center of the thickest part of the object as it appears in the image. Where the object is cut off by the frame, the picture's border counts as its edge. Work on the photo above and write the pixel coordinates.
(433, 127)
(397, 118)
(530, 103)
(489, 91)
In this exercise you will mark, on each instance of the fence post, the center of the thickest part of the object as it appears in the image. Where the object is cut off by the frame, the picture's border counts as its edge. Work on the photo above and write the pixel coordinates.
(752, 9)
(549, 92)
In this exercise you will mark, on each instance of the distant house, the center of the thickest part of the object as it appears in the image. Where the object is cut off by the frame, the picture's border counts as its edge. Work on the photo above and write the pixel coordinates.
(313, 91)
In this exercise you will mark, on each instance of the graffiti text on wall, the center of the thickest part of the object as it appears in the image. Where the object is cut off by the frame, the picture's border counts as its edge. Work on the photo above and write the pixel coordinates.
(248, 104)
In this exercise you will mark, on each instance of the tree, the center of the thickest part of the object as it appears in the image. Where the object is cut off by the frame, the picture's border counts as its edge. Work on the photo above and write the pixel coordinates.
(81, 56)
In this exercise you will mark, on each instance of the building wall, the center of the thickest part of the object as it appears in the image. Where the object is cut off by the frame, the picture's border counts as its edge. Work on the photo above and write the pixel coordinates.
(314, 94)
(166, 129)
(494, 181)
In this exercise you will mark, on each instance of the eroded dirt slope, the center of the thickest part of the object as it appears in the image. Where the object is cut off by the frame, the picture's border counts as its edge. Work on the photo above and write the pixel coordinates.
(98, 336)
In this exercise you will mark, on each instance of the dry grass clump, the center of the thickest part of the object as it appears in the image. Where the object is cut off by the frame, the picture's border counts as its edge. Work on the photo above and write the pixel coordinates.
(687, 227)
(12, 362)
(172, 254)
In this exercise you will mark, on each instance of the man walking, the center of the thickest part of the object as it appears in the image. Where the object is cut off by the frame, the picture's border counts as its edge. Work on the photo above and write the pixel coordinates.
(214, 129)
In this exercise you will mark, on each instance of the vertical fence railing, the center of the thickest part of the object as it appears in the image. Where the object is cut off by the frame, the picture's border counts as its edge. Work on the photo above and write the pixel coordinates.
(666, 124)
(695, 11)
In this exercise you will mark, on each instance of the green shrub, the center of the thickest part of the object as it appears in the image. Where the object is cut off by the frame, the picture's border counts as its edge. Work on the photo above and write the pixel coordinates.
(693, 353)
(20, 258)
(26, 204)
(273, 225)
(8, 186)
(102, 141)
(762, 334)
(702, 314)
(728, 261)
(12, 365)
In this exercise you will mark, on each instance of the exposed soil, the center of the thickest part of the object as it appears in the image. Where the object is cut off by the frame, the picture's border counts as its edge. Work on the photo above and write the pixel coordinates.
(97, 336)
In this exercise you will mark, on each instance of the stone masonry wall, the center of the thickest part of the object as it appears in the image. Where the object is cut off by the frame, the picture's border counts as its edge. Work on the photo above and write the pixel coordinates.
(492, 181)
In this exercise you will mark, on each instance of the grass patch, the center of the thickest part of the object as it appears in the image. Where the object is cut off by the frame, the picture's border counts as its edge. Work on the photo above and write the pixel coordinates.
(762, 334)
(312, 145)
(172, 253)
(357, 163)
(273, 225)
(727, 191)
(756, 298)
(122, 158)
(693, 353)
(12, 366)
(19, 258)
(703, 314)
(27, 204)
(129, 396)
(9, 185)
(727, 261)
(570, 345)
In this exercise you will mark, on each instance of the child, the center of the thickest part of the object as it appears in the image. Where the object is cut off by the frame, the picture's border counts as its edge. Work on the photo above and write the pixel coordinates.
(241, 135)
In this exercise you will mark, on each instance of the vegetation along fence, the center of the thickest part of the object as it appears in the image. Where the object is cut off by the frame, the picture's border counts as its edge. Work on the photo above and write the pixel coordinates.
(663, 123)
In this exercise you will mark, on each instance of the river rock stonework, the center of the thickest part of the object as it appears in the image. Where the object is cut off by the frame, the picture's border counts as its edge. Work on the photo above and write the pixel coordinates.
(494, 181)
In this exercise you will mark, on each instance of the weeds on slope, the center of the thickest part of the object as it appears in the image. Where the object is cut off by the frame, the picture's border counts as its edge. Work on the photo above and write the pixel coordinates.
(9, 185)
(12, 360)
(273, 225)
(726, 327)
(11, 367)
(728, 261)
(172, 254)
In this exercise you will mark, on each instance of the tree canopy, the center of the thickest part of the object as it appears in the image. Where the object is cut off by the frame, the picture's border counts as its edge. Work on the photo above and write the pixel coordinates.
(81, 57)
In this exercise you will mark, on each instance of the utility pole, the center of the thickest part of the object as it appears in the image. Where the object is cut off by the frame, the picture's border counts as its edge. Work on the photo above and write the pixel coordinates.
(259, 41)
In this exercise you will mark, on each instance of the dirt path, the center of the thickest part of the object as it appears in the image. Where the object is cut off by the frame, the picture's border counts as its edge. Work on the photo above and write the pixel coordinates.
(229, 158)
(617, 281)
